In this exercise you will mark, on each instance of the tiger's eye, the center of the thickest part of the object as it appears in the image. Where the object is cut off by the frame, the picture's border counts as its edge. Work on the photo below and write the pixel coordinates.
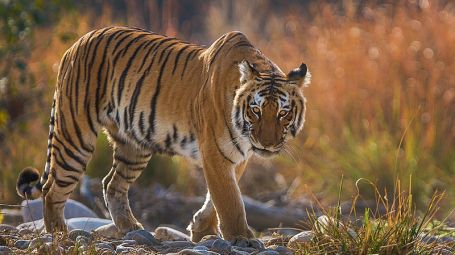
(256, 110)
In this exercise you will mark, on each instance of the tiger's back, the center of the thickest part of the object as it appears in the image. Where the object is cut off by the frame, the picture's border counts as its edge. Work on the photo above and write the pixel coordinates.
(123, 76)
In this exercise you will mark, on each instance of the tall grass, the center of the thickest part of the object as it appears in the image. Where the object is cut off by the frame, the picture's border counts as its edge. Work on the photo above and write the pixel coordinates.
(393, 228)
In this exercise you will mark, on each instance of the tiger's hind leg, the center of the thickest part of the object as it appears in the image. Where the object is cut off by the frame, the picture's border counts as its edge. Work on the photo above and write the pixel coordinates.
(67, 165)
(127, 166)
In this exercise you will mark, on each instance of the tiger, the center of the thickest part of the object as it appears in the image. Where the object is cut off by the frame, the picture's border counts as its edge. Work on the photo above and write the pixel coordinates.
(153, 94)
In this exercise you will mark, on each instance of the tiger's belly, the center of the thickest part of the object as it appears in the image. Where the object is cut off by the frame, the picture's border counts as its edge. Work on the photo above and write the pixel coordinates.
(170, 139)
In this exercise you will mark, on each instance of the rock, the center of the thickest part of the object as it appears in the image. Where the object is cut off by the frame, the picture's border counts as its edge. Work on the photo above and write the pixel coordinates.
(22, 244)
(109, 231)
(82, 240)
(32, 227)
(200, 248)
(86, 223)
(33, 210)
(300, 239)
(40, 241)
(169, 234)
(73, 234)
(429, 239)
(207, 242)
(123, 249)
(5, 250)
(281, 249)
(7, 228)
(196, 252)
(129, 243)
(221, 246)
(179, 244)
(244, 249)
(239, 252)
(142, 237)
(253, 243)
(268, 252)
(104, 246)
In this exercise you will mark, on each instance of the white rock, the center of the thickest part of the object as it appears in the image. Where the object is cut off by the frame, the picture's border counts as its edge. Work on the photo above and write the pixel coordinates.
(33, 210)
(301, 239)
(170, 234)
(85, 223)
(109, 231)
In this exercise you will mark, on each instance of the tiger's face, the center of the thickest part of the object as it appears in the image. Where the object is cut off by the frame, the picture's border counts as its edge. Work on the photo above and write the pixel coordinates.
(269, 108)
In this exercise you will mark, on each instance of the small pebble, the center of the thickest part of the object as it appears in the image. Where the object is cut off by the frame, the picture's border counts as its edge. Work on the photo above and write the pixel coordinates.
(25, 231)
(104, 246)
(73, 234)
(221, 246)
(192, 252)
(121, 249)
(244, 249)
(200, 248)
(128, 242)
(5, 250)
(22, 244)
(282, 250)
(179, 244)
(170, 234)
(39, 241)
(238, 252)
(82, 240)
(268, 252)
(7, 228)
(142, 237)
(300, 239)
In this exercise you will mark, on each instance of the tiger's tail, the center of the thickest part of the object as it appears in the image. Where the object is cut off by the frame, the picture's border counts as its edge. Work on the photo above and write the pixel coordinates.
(26, 186)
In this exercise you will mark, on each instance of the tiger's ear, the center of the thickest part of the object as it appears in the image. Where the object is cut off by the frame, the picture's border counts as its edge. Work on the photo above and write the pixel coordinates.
(300, 76)
(247, 71)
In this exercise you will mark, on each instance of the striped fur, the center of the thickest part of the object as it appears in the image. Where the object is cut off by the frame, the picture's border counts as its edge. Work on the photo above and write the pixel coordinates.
(156, 94)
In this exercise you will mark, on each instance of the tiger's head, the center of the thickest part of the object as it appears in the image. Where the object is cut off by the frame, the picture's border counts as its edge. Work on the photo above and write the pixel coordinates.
(269, 107)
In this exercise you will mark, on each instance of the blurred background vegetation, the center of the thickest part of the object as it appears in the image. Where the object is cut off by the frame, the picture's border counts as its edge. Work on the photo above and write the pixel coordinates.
(381, 105)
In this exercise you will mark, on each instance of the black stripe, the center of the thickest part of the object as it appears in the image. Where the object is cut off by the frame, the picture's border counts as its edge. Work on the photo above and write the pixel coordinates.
(103, 61)
(175, 134)
(188, 56)
(146, 55)
(90, 121)
(68, 152)
(121, 83)
(62, 184)
(128, 162)
(219, 149)
(179, 53)
(65, 165)
(90, 65)
(156, 94)
(141, 123)
(232, 138)
(78, 133)
(128, 179)
(221, 46)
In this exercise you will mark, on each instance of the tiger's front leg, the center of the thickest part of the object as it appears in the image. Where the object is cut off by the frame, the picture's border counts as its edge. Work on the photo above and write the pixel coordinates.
(225, 194)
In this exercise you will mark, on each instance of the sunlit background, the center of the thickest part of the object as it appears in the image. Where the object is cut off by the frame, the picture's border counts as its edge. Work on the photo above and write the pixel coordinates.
(381, 105)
